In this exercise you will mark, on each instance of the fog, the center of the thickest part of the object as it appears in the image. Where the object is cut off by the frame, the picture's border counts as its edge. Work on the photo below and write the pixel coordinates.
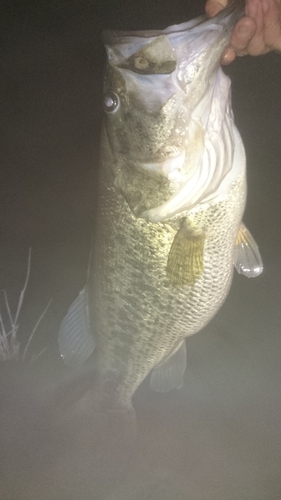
(217, 438)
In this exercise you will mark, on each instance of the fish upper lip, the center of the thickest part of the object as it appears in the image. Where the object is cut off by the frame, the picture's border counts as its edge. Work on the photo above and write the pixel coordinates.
(169, 167)
(167, 153)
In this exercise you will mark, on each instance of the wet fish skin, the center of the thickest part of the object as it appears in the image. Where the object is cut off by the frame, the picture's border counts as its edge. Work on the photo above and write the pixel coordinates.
(146, 317)
(172, 175)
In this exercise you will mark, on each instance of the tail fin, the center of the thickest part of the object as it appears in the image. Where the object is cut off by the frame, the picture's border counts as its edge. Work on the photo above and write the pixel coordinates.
(104, 438)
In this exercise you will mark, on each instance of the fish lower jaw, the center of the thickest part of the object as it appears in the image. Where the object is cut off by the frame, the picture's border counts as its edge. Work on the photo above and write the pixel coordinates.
(169, 168)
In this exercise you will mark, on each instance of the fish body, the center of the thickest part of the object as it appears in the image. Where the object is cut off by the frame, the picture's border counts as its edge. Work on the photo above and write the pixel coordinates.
(172, 193)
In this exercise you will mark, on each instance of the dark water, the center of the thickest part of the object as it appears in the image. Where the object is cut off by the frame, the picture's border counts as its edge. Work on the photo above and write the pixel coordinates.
(219, 437)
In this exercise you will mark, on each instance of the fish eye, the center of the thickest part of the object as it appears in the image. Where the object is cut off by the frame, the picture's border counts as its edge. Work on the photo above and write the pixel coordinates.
(111, 102)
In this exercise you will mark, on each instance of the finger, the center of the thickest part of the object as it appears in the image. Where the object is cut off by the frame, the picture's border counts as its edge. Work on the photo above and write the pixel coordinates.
(256, 45)
(242, 35)
(272, 24)
(212, 7)
(229, 56)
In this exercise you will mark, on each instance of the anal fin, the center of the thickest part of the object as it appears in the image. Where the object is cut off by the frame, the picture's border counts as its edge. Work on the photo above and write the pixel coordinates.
(168, 374)
(76, 342)
(247, 258)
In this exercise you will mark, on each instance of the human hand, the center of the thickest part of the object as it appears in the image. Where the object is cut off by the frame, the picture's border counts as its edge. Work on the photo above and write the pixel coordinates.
(257, 33)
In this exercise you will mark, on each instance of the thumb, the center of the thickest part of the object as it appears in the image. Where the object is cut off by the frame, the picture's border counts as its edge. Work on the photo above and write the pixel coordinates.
(212, 7)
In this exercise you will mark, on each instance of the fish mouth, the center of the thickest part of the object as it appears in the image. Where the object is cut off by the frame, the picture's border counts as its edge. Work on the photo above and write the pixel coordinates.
(169, 164)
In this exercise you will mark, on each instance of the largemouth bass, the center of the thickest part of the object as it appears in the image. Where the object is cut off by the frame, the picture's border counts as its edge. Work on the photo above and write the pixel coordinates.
(172, 193)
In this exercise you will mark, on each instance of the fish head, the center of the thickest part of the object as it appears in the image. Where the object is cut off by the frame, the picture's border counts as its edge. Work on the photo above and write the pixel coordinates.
(158, 93)
(144, 116)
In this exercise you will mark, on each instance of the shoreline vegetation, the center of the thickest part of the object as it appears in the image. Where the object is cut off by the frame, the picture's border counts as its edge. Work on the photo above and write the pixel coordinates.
(10, 345)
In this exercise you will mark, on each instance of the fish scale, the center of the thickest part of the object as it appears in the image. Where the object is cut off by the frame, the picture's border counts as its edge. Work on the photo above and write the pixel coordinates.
(149, 321)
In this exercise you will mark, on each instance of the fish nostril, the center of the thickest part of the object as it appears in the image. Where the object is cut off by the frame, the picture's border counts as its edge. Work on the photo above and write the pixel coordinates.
(141, 63)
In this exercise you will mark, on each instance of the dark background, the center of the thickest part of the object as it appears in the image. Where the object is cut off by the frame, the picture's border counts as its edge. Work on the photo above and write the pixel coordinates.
(219, 437)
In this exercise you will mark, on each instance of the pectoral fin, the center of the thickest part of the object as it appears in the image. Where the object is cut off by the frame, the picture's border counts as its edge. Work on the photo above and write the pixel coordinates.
(247, 258)
(185, 262)
(169, 373)
(76, 342)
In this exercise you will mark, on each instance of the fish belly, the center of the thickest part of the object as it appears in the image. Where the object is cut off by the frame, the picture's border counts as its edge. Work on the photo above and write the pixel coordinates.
(138, 316)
